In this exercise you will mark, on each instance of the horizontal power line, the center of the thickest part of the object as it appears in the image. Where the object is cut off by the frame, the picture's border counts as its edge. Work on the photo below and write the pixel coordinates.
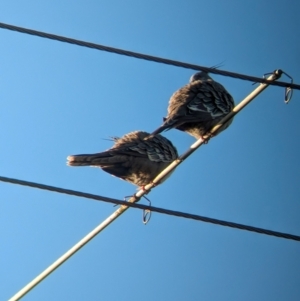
(151, 208)
(146, 57)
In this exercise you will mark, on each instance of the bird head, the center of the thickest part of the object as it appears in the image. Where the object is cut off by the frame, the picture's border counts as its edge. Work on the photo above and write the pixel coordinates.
(200, 76)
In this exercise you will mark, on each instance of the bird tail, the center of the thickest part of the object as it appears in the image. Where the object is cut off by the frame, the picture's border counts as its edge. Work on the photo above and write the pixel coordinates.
(164, 127)
(159, 130)
(81, 160)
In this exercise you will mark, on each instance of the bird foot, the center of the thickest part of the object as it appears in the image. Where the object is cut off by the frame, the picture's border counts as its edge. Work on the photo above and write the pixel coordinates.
(206, 138)
(147, 190)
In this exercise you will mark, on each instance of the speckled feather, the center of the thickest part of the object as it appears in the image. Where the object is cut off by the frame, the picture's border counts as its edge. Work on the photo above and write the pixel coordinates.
(136, 157)
(198, 106)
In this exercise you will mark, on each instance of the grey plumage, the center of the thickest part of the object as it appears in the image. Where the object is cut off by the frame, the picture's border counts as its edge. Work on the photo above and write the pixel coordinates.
(136, 157)
(198, 106)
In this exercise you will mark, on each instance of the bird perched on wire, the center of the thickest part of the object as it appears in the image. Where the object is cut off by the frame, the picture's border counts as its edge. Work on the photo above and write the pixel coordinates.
(198, 107)
(136, 157)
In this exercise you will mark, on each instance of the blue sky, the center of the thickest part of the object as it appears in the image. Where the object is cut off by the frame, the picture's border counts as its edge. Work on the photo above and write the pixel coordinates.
(59, 99)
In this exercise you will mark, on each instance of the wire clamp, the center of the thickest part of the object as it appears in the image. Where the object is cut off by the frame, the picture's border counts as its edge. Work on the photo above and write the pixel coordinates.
(288, 93)
(288, 90)
(146, 213)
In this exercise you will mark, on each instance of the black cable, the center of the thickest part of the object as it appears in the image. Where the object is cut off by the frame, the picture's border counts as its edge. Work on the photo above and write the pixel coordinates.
(151, 208)
(147, 57)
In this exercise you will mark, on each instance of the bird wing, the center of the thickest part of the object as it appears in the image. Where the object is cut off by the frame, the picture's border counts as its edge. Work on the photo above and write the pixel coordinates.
(199, 101)
(155, 149)
(136, 157)
(211, 99)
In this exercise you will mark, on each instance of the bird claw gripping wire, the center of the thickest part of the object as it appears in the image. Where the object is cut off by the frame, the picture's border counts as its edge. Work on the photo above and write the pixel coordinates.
(207, 137)
(146, 213)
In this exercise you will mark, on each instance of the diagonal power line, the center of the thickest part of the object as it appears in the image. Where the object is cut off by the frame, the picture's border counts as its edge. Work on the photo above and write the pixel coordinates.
(151, 208)
(146, 57)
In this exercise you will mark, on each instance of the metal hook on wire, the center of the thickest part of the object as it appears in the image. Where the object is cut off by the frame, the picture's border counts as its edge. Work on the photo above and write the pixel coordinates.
(288, 90)
(268, 73)
(288, 93)
(146, 213)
